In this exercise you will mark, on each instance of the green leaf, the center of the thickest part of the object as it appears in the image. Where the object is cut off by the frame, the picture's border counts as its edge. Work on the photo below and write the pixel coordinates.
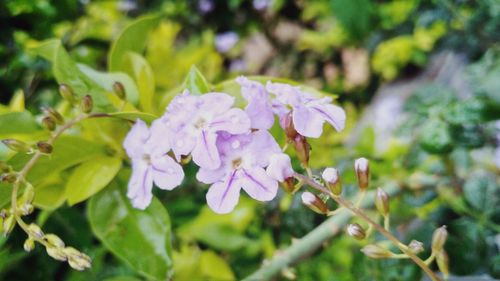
(354, 15)
(66, 71)
(481, 192)
(139, 238)
(50, 196)
(465, 112)
(17, 123)
(90, 177)
(435, 137)
(195, 82)
(131, 39)
(144, 77)
(106, 80)
(214, 267)
(132, 116)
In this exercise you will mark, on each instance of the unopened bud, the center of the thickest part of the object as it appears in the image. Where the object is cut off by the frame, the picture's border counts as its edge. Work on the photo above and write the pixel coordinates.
(355, 230)
(87, 104)
(416, 247)
(331, 177)
(26, 209)
(314, 203)
(382, 202)
(290, 131)
(49, 123)
(52, 113)
(442, 262)
(17, 145)
(439, 238)
(376, 252)
(35, 231)
(4, 213)
(56, 253)
(67, 93)
(8, 224)
(302, 148)
(288, 185)
(29, 244)
(77, 259)
(8, 177)
(119, 90)
(362, 169)
(44, 147)
(54, 240)
(28, 195)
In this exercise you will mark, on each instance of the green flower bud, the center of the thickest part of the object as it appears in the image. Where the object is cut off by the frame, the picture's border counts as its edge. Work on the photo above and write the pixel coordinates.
(382, 202)
(313, 202)
(4, 167)
(77, 259)
(52, 113)
(8, 177)
(442, 262)
(35, 231)
(26, 209)
(44, 147)
(119, 90)
(17, 145)
(29, 244)
(439, 238)
(86, 104)
(54, 240)
(49, 123)
(28, 195)
(56, 253)
(8, 224)
(67, 93)
(376, 252)
(416, 247)
(355, 230)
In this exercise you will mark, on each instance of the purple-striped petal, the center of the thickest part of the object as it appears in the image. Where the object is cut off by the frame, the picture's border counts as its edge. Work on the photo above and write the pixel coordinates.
(234, 121)
(205, 153)
(258, 184)
(135, 139)
(210, 176)
(140, 185)
(167, 174)
(307, 122)
(222, 197)
(332, 114)
(280, 167)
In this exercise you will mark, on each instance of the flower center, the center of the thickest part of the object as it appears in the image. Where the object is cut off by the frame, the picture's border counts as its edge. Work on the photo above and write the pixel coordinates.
(147, 158)
(200, 123)
(236, 164)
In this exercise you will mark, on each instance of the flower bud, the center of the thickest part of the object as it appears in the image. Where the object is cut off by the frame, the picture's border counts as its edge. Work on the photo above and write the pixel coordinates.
(439, 238)
(119, 90)
(8, 177)
(26, 209)
(52, 113)
(362, 169)
(54, 240)
(290, 131)
(17, 145)
(86, 104)
(29, 244)
(331, 177)
(56, 253)
(44, 147)
(77, 259)
(442, 262)
(28, 195)
(382, 202)
(313, 202)
(288, 185)
(416, 247)
(67, 93)
(4, 167)
(49, 123)
(376, 252)
(35, 231)
(302, 148)
(4, 213)
(355, 230)
(8, 224)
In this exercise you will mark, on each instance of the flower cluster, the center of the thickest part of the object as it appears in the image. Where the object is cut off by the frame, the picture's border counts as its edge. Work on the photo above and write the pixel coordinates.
(231, 146)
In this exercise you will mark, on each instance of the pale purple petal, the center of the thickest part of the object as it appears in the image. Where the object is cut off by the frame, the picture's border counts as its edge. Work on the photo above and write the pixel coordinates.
(205, 153)
(333, 114)
(226, 41)
(136, 138)
(259, 108)
(263, 145)
(210, 176)
(182, 143)
(222, 197)
(215, 102)
(258, 184)
(285, 94)
(140, 185)
(307, 122)
(280, 167)
(234, 121)
(158, 142)
(167, 174)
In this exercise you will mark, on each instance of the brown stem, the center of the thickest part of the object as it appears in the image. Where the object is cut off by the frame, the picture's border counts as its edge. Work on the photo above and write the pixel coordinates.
(358, 212)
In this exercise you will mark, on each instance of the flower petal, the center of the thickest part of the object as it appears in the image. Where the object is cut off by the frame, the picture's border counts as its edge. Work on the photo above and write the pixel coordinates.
(136, 138)
(140, 185)
(263, 145)
(333, 114)
(210, 176)
(258, 184)
(280, 167)
(259, 107)
(215, 102)
(222, 197)
(307, 122)
(234, 121)
(167, 174)
(182, 143)
(205, 153)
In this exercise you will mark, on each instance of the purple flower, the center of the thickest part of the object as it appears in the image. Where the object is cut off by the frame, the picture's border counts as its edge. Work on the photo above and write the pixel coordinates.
(308, 112)
(205, 6)
(243, 158)
(259, 107)
(280, 167)
(226, 41)
(194, 121)
(150, 163)
(261, 4)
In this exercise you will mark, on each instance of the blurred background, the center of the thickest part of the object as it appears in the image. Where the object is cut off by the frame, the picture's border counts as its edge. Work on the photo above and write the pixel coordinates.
(419, 79)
